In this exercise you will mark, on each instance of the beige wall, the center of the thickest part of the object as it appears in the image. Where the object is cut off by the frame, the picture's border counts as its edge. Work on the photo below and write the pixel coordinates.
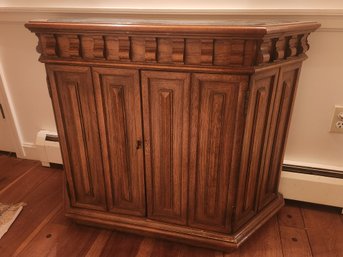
(320, 88)
(320, 85)
(24, 78)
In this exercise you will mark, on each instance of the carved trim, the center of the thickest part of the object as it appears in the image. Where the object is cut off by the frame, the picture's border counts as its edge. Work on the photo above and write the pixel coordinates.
(190, 51)
(68, 46)
(264, 53)
(292, 46)
(206, 55)
(124, 48)
(178, 48)
(303, 46)
(47, 45)
(280, 45)
(150, 49)
(282, 48)
(92, 47)
(166, 102)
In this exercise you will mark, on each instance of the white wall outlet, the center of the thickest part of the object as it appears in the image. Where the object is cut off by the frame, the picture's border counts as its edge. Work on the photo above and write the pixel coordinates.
(337, 120)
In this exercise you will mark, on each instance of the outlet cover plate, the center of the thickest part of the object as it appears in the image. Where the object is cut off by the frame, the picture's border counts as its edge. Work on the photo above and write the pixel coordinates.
(335, 119)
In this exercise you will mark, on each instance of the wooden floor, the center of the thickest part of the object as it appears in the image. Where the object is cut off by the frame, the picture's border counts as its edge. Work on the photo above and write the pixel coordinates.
(42, 230)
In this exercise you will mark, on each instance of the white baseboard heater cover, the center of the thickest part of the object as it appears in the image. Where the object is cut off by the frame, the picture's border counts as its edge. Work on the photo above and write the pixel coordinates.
(48, 147)
(312, 188)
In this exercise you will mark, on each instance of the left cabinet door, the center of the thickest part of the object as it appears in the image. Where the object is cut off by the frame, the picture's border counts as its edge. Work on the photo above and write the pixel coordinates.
(119, 103)
(74, 105)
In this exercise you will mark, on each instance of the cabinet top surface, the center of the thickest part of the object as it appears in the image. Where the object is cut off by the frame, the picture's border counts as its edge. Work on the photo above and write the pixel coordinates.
(261, 27)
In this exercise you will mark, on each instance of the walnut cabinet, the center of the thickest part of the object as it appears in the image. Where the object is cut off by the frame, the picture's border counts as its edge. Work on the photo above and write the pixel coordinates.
(169, 129)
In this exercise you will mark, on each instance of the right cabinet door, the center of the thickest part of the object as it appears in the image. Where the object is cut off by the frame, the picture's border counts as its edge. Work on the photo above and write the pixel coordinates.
(275, 146)
(256, 134)
(217, 117)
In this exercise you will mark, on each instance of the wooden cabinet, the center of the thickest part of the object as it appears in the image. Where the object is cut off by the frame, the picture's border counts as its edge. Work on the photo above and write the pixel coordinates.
(170, 130)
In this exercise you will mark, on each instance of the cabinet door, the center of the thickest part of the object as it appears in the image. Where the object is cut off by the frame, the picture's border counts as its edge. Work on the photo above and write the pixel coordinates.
(217, 111)
(256, 133)
(275, 146)
(166, 125)
(75, 111)
(119, 104)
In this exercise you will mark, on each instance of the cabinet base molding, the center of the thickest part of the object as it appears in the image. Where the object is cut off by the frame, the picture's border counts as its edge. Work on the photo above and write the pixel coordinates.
(181, 234)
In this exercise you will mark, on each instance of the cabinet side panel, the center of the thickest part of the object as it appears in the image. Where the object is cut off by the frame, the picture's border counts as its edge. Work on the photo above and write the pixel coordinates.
(216, 116)
(256, 132)
(118, 94)
(76, 117)
(278, 133)
(166, 121)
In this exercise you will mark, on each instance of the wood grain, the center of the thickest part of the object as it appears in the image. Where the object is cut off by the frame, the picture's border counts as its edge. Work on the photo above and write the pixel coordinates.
(122, 245)
(266, 242)
(61, 237)
(166, 249)
(99, 244)
(28, 240)
(291, 216)
(12, 169)
(294, 242)
(277, 135)
(119, 115)
(258, 115)
(146, 247)
(325, 231)
(166, 125)
(36, 194)
(75, 110)
(196, 44)
(216, 116)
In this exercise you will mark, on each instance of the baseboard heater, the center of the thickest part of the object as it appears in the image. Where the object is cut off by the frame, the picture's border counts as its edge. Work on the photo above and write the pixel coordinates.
(48, 148)
(312, 184)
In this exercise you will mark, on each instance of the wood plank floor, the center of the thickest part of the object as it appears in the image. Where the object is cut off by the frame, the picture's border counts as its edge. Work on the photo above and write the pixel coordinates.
(42, 230)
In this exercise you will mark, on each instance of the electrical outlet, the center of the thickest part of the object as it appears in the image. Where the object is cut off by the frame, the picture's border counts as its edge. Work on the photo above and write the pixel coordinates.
(337, 120)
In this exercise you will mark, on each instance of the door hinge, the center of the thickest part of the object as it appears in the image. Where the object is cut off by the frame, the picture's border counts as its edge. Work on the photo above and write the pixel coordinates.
(246, 102)
(2, 112)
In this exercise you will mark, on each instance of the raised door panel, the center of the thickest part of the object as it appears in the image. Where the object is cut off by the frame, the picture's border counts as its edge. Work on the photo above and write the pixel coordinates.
(76, 116)
(119, 104)
(166, 125)
(283, 103)
(217, 116)
(257, 126)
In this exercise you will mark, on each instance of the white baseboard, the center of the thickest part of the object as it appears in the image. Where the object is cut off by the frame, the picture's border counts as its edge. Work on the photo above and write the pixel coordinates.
(45, 151)
(31, 151)
(312, 188)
